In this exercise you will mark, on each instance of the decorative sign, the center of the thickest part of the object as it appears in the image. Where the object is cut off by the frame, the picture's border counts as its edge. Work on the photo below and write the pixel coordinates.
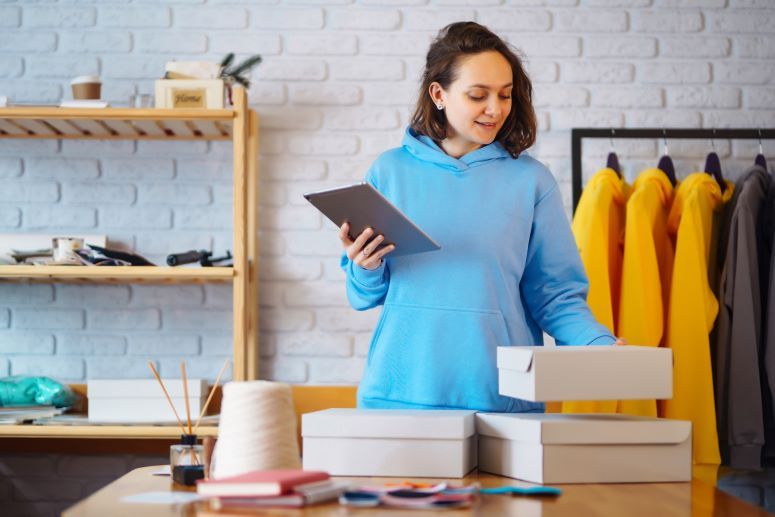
(189, 93)
(189, 98)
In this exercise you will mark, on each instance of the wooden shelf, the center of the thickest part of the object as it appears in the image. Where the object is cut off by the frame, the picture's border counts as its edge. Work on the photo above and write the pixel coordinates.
(117, 123)
(239, 126)
(116, 274)
(99, 431)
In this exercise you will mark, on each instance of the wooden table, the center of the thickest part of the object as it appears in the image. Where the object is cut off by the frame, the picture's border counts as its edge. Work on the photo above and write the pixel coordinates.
(649, 499)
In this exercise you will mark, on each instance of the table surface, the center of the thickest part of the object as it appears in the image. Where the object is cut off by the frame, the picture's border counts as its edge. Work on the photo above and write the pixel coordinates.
(635, 499)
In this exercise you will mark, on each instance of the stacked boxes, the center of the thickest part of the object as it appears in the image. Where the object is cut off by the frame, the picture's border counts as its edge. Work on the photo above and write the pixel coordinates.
(537, 447)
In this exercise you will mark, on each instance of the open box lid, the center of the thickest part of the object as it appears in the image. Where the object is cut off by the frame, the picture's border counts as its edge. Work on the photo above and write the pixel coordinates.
(599, 429)
(523, 358)
(389, 423)
(143, 388)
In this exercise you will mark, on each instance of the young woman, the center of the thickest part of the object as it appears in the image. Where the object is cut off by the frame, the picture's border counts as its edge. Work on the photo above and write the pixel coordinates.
(508, 267)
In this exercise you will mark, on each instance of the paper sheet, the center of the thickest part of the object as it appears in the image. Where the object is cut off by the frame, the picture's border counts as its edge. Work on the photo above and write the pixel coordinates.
(162, 498)
(164, 470)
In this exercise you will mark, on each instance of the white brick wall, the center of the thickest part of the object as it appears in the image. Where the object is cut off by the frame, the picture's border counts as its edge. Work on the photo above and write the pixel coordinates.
(335, 89)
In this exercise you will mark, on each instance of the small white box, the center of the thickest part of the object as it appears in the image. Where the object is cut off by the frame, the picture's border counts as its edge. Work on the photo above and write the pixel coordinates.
(542, 374)
(141, 400)
(554, 448)
(385, 442)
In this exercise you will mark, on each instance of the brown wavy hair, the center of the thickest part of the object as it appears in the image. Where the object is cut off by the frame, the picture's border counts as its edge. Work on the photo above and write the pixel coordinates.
(464, 39)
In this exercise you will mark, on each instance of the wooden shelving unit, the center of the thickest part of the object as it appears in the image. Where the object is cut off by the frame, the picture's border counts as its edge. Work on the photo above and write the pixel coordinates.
(238, 125)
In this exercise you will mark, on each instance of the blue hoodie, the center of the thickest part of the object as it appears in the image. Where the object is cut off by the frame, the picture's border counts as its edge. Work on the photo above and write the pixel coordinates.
(508, 267)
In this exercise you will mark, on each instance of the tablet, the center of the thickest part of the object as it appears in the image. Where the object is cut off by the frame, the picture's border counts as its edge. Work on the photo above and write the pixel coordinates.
(363, 206)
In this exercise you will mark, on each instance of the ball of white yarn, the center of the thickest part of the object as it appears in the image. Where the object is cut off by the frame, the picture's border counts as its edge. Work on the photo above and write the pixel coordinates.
(257, 429)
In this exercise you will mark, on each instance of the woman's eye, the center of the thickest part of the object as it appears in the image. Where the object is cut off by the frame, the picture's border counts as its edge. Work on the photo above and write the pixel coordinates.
(476, 98)
(505, 97)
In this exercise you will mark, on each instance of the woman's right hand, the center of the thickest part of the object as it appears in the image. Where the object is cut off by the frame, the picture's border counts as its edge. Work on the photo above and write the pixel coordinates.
(361, 250)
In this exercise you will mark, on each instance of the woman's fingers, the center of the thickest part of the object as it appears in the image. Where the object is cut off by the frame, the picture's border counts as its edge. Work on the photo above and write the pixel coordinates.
(371, 246)
(361, 250)
(373, 261)
(355, 248)
(344, 235)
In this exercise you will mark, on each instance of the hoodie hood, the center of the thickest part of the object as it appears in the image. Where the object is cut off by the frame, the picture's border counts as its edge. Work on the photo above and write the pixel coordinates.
(660, 179)
(424, 148)
(618, 188)
(697, 184)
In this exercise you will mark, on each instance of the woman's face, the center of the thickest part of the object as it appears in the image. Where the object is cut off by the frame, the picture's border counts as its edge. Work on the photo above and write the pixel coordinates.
(477, 103)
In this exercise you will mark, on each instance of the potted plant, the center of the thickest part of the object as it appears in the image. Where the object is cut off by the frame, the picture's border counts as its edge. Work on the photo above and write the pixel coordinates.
(237, 73)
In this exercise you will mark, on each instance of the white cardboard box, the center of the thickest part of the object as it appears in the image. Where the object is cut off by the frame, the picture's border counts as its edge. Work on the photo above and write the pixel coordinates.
(142, 400)
(377, 442)
(555, 448)
(542, 374)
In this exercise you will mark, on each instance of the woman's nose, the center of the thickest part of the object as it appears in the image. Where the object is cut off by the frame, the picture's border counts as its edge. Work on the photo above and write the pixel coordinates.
(493, 109)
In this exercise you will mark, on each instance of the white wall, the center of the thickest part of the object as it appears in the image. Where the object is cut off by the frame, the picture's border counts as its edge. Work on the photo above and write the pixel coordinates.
(335, 89)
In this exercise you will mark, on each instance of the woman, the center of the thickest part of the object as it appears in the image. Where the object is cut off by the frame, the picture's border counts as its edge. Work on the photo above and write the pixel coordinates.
(508, 267)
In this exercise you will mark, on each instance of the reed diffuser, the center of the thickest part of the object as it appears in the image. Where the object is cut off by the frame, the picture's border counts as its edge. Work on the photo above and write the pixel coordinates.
(187, 458)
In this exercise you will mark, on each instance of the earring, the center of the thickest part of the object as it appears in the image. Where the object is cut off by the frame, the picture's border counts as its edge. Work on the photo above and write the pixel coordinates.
(439, 107)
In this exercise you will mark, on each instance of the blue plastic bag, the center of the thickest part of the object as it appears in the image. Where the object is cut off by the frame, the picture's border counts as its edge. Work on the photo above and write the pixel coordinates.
(23, 390)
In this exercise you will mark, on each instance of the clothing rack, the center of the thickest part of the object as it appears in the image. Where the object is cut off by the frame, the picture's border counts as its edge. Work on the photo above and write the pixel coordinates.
(578, 134)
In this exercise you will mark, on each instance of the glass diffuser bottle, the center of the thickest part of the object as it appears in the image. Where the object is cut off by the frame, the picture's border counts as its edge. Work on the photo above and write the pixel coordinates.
(187, 460)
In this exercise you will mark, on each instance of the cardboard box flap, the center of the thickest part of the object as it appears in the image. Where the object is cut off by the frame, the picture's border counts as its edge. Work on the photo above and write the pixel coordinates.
(143, 388)
(518, 358)
(596, 429)
(389, 423)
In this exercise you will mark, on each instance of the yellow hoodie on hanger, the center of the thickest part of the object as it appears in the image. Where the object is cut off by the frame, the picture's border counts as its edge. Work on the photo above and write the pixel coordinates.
(691, 314)
(646, 270)
(598, 227)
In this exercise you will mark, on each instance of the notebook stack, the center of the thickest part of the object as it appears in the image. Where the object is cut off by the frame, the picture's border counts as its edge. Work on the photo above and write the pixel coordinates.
(272, 488)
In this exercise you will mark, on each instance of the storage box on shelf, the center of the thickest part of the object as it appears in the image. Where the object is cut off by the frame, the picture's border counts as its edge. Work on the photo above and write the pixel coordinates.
(142, 400)
(238, 125)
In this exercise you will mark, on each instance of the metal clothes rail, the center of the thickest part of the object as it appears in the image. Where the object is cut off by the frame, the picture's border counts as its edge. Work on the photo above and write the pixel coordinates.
(578, 134)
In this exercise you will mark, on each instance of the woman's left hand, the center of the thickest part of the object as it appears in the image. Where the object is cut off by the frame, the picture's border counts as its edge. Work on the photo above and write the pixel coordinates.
(620, 341)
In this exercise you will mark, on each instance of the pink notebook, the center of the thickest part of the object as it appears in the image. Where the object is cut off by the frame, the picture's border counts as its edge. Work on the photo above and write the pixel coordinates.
(259, 482)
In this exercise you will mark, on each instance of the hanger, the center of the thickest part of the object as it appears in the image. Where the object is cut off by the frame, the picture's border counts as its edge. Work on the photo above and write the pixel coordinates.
(760, 160)
(713, 166)
(612, 162)
(666, 162)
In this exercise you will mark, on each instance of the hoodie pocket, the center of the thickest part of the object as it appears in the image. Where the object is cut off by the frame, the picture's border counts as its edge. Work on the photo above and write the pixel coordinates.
(436, 356)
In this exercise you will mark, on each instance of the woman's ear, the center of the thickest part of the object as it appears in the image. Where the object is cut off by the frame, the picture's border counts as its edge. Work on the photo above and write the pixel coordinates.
(438, 96)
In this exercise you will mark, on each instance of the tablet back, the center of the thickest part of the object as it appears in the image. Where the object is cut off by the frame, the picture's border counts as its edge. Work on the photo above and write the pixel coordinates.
(363, 206)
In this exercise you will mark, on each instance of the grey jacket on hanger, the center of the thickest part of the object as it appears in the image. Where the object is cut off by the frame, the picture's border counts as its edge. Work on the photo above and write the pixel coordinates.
(768, 285)
(739, 340)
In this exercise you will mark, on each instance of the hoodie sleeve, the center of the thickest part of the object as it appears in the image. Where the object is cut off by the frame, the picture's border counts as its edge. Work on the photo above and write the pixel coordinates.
(366, 288)
(554, 286)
